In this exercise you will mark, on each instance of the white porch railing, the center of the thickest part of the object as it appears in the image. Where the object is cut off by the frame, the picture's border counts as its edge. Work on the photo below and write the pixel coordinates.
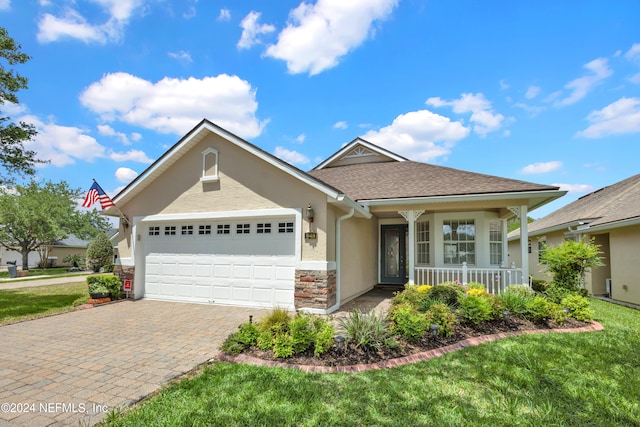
(494, 279)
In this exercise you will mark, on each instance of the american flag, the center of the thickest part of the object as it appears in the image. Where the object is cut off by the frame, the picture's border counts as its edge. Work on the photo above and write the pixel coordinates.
(97, 193)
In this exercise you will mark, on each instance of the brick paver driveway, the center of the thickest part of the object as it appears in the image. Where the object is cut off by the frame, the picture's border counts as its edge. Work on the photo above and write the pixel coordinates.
(68, 368)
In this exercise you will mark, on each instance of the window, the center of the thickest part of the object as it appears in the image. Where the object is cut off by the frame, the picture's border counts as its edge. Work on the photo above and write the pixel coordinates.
(285, 227)
(170, 230)
(204, 229)
(422, 242)
(243, 228)
(186, 230)
(495, 242)
(459, 241)
(209, 165)
(223, 229)
(542, 246)
(154, 231)
(264, 228)
(529, 245)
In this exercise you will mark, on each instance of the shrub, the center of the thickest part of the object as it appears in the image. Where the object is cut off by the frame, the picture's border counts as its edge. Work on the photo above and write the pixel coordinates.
(441, 315)
(556, 293)
(423, 289)
(579, 307)
(248, 334)
(74, 259)
(302, 332)
(426, 304)
(365, 329)
(411, 294)
(476, 285)
(475, 309)
(408, 323)
(265, 340)
(231, 345)
(569, 260)
(99, 252)
(538, 309)
(324, 336)
(539, 285)
(515, 299)
(476, 292)
(277, 321)
(445, 293)
(558, 315)
(283, 345)
(111, 284)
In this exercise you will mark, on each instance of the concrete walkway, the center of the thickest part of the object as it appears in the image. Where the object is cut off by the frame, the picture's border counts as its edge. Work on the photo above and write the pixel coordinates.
(40, 281)
(76, 366)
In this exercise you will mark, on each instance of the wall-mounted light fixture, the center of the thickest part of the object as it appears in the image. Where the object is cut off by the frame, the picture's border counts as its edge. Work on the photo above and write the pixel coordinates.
(310, 213)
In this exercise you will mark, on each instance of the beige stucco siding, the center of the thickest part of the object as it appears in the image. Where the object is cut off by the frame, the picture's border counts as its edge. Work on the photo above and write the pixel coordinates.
(246, 182)
(358, 257)
(625, 259)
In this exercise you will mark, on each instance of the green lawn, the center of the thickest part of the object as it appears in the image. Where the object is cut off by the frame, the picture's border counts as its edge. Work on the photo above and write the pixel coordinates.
(29, 303)
(585, 379)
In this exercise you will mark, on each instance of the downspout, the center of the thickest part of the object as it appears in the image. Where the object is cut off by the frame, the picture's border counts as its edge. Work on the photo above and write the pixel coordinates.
(338, 256)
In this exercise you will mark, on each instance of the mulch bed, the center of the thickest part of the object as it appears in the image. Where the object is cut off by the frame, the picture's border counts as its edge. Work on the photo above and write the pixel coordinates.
(353, 359)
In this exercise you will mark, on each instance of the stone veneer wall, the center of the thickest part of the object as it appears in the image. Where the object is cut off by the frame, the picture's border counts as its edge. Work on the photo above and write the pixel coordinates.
(315, 289)
(125, 272)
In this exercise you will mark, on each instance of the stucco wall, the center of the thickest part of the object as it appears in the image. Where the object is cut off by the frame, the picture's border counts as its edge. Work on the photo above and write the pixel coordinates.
(246, 182)
(359, 265)
(625, 259)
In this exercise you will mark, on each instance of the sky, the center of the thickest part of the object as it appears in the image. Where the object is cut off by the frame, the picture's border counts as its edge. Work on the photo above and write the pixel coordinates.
(544, 91)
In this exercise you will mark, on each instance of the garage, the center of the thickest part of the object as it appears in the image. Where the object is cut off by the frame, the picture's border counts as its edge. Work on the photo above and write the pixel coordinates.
(235, 261)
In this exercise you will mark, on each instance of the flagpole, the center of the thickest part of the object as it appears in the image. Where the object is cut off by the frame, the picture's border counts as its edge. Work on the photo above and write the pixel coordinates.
(126, 220)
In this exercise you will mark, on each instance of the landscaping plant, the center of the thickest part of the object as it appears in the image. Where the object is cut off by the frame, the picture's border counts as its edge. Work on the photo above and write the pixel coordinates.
(569, 260)
(99, 252)
(366, 329)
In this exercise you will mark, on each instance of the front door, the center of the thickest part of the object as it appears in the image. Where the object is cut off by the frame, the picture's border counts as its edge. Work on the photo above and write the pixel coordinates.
(393, 254)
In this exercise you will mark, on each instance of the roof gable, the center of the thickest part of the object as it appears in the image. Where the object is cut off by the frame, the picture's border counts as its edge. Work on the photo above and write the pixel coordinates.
(359, 151)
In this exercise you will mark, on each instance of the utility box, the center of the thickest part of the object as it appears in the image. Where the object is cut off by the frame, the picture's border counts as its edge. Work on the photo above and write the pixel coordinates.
(13, 271)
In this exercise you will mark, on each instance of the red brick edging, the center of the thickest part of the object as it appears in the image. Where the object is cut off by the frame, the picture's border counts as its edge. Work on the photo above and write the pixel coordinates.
(391, 363)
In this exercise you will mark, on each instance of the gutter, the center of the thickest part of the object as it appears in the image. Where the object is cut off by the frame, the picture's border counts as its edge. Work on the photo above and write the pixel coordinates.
(338, 257)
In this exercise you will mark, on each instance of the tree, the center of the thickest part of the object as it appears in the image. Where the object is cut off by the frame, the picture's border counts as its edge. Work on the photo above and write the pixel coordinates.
(569, 260)
(14, 158)
(39, 214)
(99, 252)
(515, 224)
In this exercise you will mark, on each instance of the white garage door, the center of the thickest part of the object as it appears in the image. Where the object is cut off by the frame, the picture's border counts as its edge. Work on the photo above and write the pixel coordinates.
(239, 262)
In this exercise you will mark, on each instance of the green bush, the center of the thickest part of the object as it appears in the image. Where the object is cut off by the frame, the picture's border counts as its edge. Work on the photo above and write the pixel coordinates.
(556, 293)
(302, 332)
(277, 321)
(410, 295)
(231, 345)
(248, 334)
(365, 329)
(408, 322)
(101, 283)
(539, 285)
(265, 340)
(475, 309)
(441, 315)
(324, 336)
(569, 260)
(558, 315)
(579, 307)
(538, 309)
(283, 345)
(445, 293)
(515, 299)
(99, 252)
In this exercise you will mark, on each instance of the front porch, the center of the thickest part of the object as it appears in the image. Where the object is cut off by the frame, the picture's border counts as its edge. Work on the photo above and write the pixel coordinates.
(495, 280)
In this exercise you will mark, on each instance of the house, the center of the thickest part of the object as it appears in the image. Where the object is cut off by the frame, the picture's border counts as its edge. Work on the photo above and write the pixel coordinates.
(611, 217)
(218, 220)
(57, 252)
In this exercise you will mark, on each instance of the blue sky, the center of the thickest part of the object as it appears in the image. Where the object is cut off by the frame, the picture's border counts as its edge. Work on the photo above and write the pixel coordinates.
(544, 91)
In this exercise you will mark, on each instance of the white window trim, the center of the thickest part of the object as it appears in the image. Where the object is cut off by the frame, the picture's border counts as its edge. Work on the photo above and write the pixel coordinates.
(205, 177)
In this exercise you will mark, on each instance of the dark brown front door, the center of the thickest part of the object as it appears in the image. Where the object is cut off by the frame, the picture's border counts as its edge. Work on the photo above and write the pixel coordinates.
(393, 254)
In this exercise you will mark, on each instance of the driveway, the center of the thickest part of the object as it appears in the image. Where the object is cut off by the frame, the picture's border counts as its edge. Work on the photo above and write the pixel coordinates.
(71, 368)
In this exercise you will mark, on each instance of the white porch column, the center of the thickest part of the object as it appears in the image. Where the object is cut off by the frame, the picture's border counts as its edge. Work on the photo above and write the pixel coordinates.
(411, 217)
(524, 243)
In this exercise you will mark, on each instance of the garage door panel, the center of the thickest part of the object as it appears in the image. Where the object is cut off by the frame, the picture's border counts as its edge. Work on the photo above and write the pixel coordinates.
(235, 269)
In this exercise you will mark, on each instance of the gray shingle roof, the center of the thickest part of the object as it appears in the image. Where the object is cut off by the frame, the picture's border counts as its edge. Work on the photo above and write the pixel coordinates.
(616, 202)
(413, 179)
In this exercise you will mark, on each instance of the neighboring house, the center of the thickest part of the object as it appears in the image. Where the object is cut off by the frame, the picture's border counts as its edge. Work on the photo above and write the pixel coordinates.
(611, 217)
(218, 220)
(57, 252)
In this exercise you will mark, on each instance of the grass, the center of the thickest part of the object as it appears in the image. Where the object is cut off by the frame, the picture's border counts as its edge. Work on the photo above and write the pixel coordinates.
(29, 303)
(583, 379)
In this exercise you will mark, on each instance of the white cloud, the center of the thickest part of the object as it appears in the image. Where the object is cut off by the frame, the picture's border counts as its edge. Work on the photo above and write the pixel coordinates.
(482, 116)
(532, 92)
(109, 131)
(580, 87)
(11, 109)
(620, 117)
(252, 30)
(291, 156)
(224, 16)
(176, 105)
(318, 35)
(419, 135)
(64, 145)
(72, 24)
(504, 85)
(340, 125)
(301, 138)
(575, 188)
(181, 56)
(5, 4)
(534, 110)
(541, 167)
(125, 174)
(633, 53)
(635, 78)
